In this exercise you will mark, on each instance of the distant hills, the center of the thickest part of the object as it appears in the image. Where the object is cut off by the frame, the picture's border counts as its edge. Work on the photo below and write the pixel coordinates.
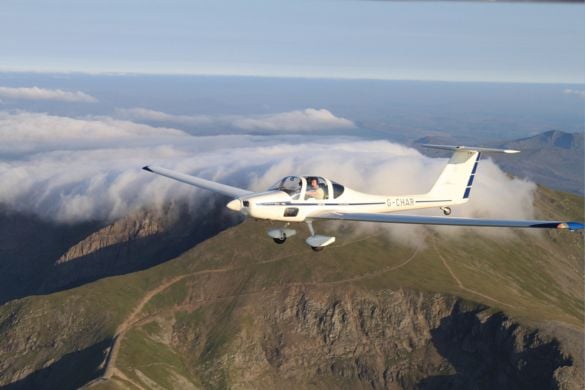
(463, 311)
(554, 159)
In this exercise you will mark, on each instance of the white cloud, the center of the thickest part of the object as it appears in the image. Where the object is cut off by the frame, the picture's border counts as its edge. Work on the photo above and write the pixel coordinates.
(576, 92)
(36, 93)
(26, 132)
(99, 176)
(306, 120)
(139, 113)
(309, 119)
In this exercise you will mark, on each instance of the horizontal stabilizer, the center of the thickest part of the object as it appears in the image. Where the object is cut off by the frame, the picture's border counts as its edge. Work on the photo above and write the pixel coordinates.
(449, 221)
(470, 148)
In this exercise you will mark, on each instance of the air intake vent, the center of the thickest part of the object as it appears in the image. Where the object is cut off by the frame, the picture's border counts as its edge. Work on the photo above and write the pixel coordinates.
(291, 212)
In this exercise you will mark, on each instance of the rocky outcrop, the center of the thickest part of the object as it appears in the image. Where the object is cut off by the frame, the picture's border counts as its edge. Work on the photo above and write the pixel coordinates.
(391, 339)
(313, 338)
(132, 243)
(40, 257)
(138, 225)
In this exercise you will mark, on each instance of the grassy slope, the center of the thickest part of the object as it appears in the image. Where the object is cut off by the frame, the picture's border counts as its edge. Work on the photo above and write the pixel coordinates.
(533, 277)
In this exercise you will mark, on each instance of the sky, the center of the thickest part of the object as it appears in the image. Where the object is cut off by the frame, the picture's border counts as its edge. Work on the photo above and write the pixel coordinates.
(450, 41)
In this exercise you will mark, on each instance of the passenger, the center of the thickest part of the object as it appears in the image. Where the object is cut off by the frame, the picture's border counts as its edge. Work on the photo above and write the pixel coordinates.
(313, 190)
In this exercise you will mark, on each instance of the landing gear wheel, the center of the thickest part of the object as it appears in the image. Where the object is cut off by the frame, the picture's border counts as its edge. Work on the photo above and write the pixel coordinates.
(317, 248)
(446, 210)
(280, 241)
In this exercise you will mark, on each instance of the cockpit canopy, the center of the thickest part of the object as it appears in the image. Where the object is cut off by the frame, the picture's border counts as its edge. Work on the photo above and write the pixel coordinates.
(308, 187)
(292, 185)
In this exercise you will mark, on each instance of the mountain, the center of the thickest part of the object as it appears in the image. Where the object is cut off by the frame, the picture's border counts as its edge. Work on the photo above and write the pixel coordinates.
(466, 308)
(554, 159)
(40, 256)
(29, 246)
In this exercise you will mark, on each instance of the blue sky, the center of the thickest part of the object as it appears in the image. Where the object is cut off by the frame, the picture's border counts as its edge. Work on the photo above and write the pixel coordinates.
(451, 41)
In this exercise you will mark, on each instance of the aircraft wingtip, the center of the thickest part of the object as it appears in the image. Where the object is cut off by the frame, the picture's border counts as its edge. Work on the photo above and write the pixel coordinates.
(147, 168)
(571, 226)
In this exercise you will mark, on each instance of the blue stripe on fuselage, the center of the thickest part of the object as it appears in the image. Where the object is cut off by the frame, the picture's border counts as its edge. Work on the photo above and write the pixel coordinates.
(318, 204)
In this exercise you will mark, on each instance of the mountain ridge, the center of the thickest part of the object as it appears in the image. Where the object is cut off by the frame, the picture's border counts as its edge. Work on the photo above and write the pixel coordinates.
(225, 295)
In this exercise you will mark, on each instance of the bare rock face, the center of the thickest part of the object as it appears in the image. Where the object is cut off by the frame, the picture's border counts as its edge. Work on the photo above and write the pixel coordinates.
(39, 256)
(305, 337)
(138, 225)
(359, 339)
(360, 333)
(135, 242)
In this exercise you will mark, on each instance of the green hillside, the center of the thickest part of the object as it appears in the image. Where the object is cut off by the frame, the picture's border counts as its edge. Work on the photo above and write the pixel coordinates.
(240, 311)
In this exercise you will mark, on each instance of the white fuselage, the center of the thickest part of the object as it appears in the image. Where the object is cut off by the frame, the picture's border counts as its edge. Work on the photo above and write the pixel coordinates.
(280, 206)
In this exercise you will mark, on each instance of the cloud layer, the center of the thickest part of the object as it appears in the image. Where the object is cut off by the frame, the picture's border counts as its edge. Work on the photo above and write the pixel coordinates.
(575, 92)
(36, 93)
(306, 120)
(91, 170)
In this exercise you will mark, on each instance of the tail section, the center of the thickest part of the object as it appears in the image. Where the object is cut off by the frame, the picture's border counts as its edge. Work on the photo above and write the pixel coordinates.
(455, 182)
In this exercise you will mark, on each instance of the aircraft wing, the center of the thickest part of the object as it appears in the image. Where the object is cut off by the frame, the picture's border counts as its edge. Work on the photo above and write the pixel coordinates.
(230, 191)
(450, 221)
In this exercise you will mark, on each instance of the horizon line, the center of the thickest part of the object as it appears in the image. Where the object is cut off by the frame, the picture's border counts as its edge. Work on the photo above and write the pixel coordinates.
(276, 76)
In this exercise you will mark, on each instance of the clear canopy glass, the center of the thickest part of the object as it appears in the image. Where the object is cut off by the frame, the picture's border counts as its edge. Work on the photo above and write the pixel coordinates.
(316, 187)
(292, 185)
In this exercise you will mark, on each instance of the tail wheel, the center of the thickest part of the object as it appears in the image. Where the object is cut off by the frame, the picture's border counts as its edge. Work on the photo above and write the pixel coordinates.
(317, 248)
(280, 241)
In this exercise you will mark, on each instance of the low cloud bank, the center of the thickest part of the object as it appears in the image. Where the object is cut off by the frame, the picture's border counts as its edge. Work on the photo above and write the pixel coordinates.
(36, 93)
(93, 170)
(32, 132)
(306, 120)
(576, 92)
(309, 119)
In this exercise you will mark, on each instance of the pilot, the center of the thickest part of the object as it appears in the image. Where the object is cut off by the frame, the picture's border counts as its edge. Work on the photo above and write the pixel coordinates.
(313, 190)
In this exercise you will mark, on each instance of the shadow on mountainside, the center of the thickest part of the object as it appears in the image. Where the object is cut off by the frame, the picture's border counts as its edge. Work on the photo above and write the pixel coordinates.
(72, 371)
(33, 262)
(29, 247)
(494, 353)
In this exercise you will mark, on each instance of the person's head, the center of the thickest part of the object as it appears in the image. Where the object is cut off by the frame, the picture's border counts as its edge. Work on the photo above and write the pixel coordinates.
(314, 182)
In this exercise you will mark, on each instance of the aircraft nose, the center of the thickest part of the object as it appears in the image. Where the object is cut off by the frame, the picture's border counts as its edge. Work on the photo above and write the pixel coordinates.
(235, 205)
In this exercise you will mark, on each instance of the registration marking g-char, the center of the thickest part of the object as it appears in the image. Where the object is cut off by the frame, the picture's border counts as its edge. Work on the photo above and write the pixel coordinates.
(399, 202)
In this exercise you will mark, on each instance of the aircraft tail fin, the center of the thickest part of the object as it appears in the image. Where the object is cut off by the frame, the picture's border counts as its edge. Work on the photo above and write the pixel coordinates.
(455, 182)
